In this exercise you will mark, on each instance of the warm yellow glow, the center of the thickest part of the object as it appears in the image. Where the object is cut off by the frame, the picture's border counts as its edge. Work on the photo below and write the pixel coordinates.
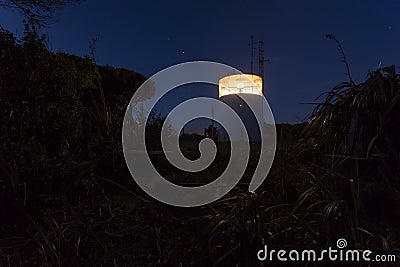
(240, 84)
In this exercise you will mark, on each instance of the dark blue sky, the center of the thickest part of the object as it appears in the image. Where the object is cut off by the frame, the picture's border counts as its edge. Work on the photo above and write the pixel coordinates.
(147, 36)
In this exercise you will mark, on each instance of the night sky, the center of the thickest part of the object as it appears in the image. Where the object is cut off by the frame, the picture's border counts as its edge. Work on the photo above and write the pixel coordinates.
(147, 36)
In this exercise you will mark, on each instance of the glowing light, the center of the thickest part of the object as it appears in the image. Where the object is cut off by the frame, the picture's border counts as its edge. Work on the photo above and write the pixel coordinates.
(240, 84)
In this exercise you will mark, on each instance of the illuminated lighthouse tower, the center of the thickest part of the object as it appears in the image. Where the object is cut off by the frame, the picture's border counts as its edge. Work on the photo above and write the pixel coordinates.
(244, 94)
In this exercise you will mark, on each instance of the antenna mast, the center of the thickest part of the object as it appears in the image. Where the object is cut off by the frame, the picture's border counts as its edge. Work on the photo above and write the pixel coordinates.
(252, 53)
(261, 59)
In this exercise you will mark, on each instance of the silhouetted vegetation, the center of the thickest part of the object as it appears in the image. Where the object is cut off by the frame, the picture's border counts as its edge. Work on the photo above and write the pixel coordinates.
(68, 198)
(37, 12)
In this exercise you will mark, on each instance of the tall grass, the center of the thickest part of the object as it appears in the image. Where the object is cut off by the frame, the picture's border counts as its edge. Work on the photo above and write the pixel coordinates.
(70, 201)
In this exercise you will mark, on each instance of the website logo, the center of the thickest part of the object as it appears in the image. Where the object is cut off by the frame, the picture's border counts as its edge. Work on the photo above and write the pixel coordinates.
(340, 253)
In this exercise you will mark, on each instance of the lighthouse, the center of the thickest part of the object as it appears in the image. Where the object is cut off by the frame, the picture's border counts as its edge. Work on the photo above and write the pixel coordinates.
(244, 94)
